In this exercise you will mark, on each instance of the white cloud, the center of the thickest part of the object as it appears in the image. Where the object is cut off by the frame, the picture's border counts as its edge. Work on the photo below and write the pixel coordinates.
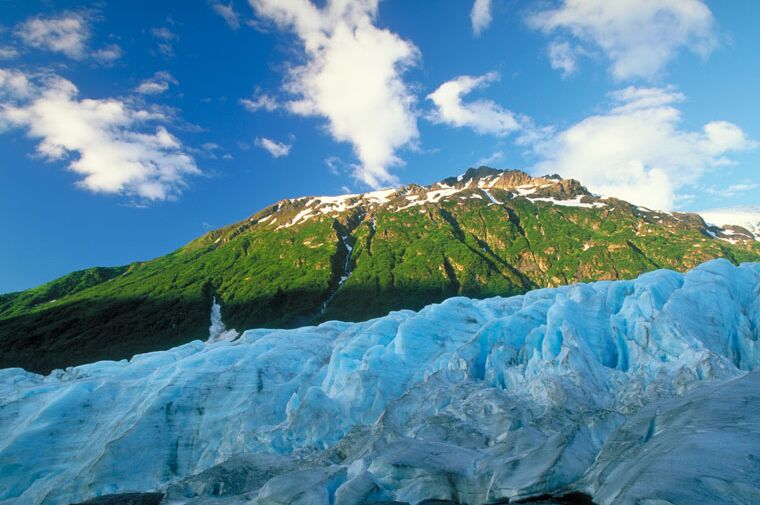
(639, 36)
(208, 150)
(563, 57)
(634, 98)
(67, 34)
(638, 150)
(108, 54)
(335, 165)
(276, 149)
(483, 116)
(258, 101)
(14, 85)
(490, 159)
(352, 77)
(157, 84)
(8, 53)
(105, 141)
(227, 12)
(165, 38)
(480, 15)
(733, 189)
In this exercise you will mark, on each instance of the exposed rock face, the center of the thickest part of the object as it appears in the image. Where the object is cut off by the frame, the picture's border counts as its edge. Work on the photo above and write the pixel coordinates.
(627, 391)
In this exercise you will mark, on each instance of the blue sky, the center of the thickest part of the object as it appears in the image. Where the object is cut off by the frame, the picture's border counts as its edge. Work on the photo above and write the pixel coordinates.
(129, 128)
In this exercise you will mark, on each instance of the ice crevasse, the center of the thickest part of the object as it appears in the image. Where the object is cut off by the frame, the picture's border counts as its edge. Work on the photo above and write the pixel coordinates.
(636, 391)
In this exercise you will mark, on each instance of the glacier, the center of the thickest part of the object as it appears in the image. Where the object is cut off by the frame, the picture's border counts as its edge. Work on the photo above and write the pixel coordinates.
(632, 392)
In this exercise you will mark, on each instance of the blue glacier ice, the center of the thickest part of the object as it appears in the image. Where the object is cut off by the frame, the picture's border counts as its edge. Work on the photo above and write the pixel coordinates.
(638, 391)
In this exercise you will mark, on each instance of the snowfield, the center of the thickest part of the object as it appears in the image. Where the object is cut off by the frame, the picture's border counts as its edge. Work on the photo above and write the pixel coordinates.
(746, 217)
(634, 392)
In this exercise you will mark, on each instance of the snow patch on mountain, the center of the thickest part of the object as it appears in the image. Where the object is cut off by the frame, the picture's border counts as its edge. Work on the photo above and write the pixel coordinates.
(572, 202)
(467, 400)
(511, 182)
(746, 217)
(491, 198)
(330, 205)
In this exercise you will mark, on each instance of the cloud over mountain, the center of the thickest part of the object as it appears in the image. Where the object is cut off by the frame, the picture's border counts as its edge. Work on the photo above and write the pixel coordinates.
(352, 77)
(638, 150)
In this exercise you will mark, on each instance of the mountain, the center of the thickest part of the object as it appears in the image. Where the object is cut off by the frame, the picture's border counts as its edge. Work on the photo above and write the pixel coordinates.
(353, 257)
(736, 222)
(626, 392)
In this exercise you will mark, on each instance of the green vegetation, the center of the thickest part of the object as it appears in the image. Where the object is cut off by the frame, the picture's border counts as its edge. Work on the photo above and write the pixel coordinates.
(267, 275)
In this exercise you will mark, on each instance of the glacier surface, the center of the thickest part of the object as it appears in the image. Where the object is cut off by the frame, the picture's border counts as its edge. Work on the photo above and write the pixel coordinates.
(635, 392)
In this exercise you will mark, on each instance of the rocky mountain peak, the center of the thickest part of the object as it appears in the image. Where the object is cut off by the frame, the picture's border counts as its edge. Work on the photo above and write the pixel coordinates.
(518, 182)
(475, 187)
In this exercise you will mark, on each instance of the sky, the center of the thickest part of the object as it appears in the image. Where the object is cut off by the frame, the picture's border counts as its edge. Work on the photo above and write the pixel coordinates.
(129, 128)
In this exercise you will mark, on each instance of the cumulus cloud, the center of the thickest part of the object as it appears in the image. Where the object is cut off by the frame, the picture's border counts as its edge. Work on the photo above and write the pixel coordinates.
(638, 36)
(638, 150)
(352, 77)
(228, 13)
(483, 116)
(105, 141)
(157, 84)
(67, 34)
(276, 149)
(480, 15)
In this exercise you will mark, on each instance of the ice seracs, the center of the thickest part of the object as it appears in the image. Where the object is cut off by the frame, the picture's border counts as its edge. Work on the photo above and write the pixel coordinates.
(686, 449)
(600, 388)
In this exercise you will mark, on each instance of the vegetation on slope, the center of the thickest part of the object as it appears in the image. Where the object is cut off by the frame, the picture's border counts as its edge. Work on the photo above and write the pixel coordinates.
(293, 264)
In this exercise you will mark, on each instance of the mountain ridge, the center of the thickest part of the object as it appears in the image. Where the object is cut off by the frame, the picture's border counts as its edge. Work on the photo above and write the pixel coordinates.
(735, 221)
(304, 260)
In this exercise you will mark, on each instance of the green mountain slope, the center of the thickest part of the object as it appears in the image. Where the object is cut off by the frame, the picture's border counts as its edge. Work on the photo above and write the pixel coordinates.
(354, 257)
